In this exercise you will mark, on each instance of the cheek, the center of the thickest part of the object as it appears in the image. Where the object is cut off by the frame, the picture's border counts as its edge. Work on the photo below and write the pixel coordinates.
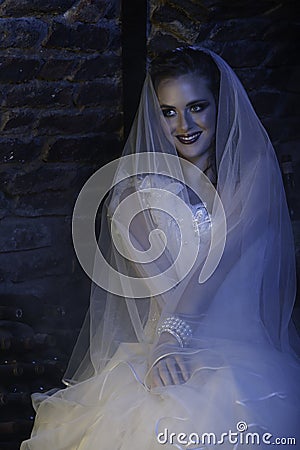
(209, 120)
(169, 129)
(171, 124)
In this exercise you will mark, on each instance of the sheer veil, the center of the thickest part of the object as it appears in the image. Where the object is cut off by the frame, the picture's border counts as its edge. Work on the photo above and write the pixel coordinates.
(249, 293)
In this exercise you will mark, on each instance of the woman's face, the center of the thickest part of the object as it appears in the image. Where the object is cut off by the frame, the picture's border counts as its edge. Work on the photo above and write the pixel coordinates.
(190, 111)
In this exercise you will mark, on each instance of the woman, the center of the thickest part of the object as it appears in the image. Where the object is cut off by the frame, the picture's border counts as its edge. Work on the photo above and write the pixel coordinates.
(195, 350)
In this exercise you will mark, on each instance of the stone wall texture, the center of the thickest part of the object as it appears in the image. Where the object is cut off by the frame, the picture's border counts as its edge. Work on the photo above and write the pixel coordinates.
(61, 119)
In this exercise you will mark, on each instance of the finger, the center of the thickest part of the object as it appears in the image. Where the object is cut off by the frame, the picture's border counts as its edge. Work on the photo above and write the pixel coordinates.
(173, 370)
(155, 378)
(164, 373)
(183, 367)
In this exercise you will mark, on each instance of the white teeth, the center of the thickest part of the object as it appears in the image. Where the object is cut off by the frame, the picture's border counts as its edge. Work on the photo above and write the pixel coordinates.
(188, 139)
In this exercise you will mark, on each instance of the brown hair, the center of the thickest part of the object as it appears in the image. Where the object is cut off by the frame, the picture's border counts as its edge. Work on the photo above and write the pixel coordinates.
(184, 60)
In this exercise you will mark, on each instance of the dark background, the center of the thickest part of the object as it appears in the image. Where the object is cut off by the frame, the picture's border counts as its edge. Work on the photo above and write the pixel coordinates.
(70, 78)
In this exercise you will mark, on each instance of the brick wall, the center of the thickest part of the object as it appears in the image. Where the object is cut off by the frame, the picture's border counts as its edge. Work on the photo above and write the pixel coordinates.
(61, 118)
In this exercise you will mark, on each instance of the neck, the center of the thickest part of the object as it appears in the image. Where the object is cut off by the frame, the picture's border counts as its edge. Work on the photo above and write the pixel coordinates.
(204, 163)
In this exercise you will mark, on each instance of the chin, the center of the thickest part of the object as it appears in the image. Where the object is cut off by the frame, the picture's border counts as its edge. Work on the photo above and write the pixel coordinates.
(192, 155)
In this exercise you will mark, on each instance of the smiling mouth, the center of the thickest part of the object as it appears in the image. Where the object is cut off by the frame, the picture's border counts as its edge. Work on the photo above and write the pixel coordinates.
(189, 138)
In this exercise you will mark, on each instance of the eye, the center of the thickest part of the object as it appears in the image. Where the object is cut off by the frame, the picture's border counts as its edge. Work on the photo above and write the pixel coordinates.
(168, 112)
(198, 107)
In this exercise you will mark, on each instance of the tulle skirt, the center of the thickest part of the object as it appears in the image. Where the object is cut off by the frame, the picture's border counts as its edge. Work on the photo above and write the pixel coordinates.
(250, 400)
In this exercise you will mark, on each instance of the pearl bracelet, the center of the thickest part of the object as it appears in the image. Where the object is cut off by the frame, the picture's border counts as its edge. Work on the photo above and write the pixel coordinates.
(178, 328)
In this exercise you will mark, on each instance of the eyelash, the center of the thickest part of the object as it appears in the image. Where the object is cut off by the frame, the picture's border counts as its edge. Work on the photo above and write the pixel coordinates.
(166, 112)
(198, 106)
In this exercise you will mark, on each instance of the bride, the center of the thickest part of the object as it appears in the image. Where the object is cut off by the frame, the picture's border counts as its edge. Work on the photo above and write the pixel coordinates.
(188, 342)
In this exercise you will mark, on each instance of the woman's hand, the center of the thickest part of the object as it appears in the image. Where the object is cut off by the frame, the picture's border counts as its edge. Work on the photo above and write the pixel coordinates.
(171, 369)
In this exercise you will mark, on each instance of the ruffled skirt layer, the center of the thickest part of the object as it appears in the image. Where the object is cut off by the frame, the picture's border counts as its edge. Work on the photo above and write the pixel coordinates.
(239, 396)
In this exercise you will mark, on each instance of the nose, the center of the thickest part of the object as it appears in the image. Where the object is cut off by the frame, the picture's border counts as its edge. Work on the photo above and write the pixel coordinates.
(185, 122)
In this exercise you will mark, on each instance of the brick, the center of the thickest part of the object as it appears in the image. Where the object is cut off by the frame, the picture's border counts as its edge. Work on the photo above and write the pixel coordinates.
(110, 9)
(13, 150)
(253, 78)
(176, 22)
(59, 69)
(22, 33)
(39, 94)
(31, 264)
(238, 29)
(283, 54)
(167, 14)
(86, 11)
(78, 36)
(204, 30)
(284, 10)
(285, 78)
(194, 9)
(209, 3)
(16, 70)
(113, 122)
(180, 10)
(115, 41)
(44, 289)
(282, 31)
(98, 93)
(48, 177)
(275, 104)
(93, 149)
(19, 121)
(4, 205)
(70, 122)
(34, 7)
(84, 171)
(26, 234)
(283, 129)
(89, 13)
(236, 8)
(290, 148)
(161, 42)
(93, 67)
(44, 204)
(245, 53)
(266, 103)
(74, 149)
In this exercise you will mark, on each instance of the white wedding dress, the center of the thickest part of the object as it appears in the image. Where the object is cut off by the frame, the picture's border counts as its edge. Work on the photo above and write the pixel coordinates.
(241, 386)
(239, 392)
(243, 391)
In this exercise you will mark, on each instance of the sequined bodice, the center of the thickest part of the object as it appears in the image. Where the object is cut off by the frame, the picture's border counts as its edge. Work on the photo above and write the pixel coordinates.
(202, 220)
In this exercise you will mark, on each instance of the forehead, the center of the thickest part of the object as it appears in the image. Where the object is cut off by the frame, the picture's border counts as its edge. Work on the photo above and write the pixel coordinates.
(183, 89)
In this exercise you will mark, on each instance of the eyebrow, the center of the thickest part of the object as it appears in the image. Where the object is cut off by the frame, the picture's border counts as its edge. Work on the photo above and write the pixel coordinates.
(188, 104)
